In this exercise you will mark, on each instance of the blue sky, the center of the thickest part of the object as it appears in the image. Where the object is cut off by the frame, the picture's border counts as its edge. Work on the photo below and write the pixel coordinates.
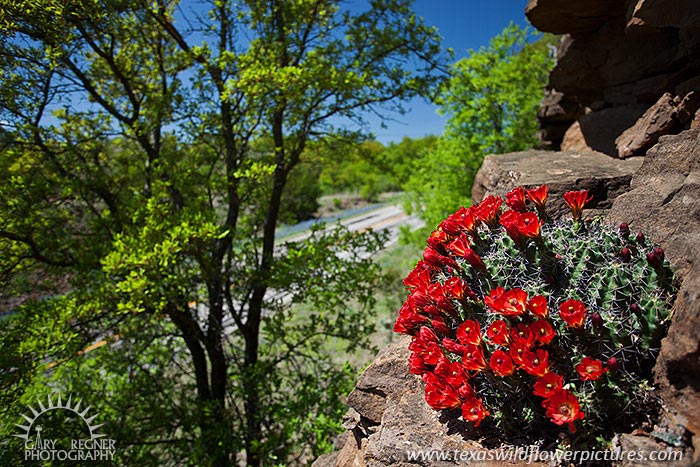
(463, 25)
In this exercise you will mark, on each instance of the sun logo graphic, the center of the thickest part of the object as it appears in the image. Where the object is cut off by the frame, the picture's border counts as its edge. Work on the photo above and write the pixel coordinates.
(88, 445)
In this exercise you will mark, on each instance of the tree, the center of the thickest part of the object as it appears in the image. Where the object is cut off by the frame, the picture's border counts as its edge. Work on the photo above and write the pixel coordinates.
(369, 168)
(491, 102)
(128, 171)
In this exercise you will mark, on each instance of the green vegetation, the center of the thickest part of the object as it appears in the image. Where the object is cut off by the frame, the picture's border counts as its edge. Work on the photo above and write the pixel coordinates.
(147, 157)
(370, 168)
(146, 163)
(491, 102)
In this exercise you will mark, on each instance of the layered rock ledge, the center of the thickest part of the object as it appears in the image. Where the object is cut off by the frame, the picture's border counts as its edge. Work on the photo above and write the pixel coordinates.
(604, 177)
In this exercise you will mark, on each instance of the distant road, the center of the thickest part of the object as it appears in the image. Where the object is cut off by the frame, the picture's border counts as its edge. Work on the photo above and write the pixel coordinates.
(384, 217)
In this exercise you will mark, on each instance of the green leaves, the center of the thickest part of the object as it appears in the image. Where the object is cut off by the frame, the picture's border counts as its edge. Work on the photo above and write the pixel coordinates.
(491, 102)
(148, 152)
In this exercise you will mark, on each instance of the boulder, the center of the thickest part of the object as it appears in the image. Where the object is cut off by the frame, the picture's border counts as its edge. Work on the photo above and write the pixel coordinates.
(406, 423)
(667, 116)
(574, 139)
(644, 445)
(664, 202)
(687, 106)
(604, 177)
(573, 16)
(649, 16)
(379, 382)
(659, 119)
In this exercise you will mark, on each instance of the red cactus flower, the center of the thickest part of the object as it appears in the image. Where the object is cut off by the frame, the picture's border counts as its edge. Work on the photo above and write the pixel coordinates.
(453, 346)
(439, 395)
(473, 410)
(464, 220)
(473, 358)
(494, 295)
(515, 199)
(469, 332)
(453, 373)
(536, 363)
(437, 238)
(432, 310)
(509, 221)
(459, 245)
(466, 391)
(430, 352)
(419, 295)
(409, 322)
(539, 197)
(529, 225)
(420, 275)
(509, 303)
(498, 332)
(562, 407)
(487, 210)
(590, 369)
(517, 351)
(440, 326)
(474, 260)
(436, 260)
(436, 294)
(417, 365)
(456, 288)
(538, 306)
(573, 312)
(501, 363)
(576, 201)
(428, 335)
(547, 384)
(522, 333)
(543, 331)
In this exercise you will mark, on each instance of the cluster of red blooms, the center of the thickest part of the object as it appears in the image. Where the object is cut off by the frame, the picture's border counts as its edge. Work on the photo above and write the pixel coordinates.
(449, 351)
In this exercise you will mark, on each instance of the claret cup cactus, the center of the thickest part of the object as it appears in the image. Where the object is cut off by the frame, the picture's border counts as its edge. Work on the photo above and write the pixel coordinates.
(524, 323)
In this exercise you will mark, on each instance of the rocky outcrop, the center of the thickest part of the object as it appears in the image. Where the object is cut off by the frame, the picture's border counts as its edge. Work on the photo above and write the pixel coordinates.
(665, 202)
(615, 53)
(389, 417)
(604, 177)
(665, 117)
(389, 423)
(582, 16)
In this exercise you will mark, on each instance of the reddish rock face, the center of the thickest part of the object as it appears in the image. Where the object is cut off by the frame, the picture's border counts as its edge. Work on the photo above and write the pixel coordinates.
(659, 119)
(664, 201)
(573, 16)
(616, 53)
(648, 16)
